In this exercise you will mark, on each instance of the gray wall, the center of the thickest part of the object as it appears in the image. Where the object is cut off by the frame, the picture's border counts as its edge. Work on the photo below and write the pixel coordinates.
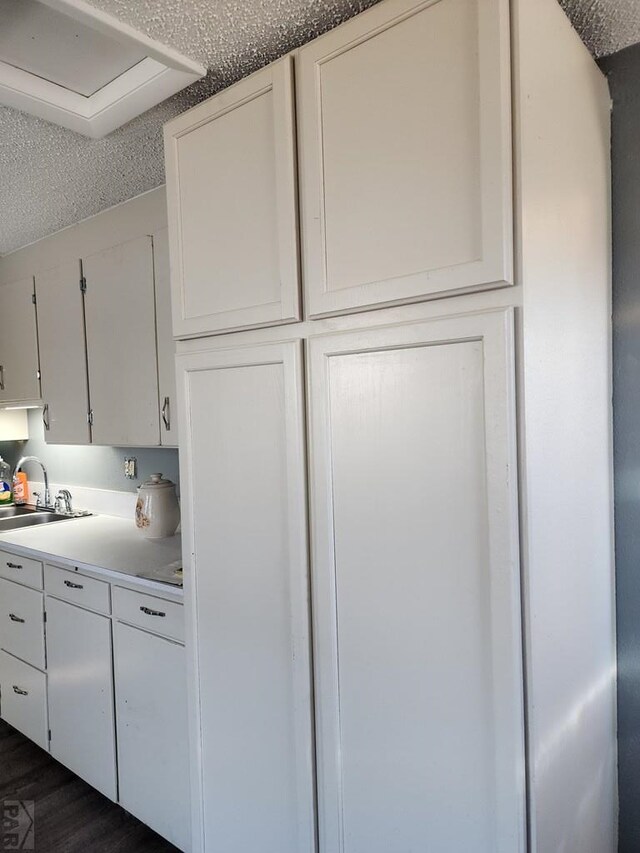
(97, 467)
(623, 70)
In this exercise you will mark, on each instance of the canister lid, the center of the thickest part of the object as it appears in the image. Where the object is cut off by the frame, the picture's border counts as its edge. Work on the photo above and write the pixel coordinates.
(157, 481)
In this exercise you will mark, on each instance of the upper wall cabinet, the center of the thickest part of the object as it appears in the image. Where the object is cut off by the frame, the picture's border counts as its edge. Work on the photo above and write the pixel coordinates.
(166, 345)
(19, 370)
(121, 344)
(231, 191)
(405, 145)
(63, 357)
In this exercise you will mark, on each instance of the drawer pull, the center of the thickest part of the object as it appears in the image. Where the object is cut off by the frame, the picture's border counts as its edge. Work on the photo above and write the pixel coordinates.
(15, 618)
(19, 691)
(151, 612)
(14, 566)
(73, 585)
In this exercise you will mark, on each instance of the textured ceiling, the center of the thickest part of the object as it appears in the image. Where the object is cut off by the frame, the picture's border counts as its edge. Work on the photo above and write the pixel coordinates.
(51, 177)
(606, 26)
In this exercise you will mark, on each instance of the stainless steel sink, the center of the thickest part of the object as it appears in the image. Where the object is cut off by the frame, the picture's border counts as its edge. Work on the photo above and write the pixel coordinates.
(15, 517)
(13, 511)
(31, 520)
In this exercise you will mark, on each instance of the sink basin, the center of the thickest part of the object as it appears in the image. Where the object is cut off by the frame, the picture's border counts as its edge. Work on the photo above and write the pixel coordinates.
(14, 511)
(30, 519)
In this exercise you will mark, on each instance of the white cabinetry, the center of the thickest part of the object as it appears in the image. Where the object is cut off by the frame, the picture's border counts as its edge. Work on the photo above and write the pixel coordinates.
(23, 698)
(23, 684)
(231, 187)
(22, 622)
(416, 588)
(151, 716)
(405, 129)
(119, 361)
(243, 475)
(405, 146)
(121, 344)
(80, 692)
(59, 690)
(19, 376)
(166, 346)
(63, 355)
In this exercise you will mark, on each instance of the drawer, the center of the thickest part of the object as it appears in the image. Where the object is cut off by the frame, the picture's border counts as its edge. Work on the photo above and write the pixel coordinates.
(147, 611)
(22, 622)
(78, 589)
(23, 699)
(21, 569)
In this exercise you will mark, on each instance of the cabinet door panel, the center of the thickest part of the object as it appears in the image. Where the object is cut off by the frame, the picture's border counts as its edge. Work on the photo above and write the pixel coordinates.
(244, 529)
(231, 194)
(416, 585)
(18, 343)
(121, 344)
(153, 750)
(81, 716)
(166, 345)
(22, 622)
(405, 154)
(63, 355)
(23, 698)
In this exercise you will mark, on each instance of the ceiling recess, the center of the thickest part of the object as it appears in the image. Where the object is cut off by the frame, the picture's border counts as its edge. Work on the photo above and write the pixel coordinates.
(74, 65)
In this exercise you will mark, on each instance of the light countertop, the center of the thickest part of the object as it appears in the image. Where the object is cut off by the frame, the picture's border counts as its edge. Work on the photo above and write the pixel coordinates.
(101, 543)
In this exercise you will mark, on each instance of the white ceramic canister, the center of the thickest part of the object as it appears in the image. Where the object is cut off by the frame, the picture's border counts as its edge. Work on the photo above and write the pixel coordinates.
(157, 509)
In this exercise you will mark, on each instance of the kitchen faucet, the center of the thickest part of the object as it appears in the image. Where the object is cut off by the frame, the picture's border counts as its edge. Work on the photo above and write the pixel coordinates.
(47, 494)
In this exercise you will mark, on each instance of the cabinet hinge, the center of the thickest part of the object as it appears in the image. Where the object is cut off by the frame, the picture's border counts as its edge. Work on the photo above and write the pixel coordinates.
(83, 284)
(49, 735)
(90, 417)
(44, 615)
(33, 298)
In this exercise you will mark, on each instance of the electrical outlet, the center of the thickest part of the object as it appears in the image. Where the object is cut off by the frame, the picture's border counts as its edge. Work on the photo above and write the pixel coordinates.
(130, 467)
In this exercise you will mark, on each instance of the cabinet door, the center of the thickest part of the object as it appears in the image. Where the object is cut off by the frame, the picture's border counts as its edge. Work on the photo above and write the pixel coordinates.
(231, 193)
(405, 139)
(151, 715)
(121, 344)
(23, 698)
(80, 684)
(166, 345)
(22, 622)
(244, 535)
(19, 378)
(416, 589)
(63, 355)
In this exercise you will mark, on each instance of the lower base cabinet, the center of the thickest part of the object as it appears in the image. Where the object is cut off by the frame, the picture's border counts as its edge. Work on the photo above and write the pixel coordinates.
(151, 718)
(90, 671)
(80, 679)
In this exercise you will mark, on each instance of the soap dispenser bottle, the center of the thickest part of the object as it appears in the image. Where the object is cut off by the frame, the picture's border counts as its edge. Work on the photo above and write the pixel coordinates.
(6, 496)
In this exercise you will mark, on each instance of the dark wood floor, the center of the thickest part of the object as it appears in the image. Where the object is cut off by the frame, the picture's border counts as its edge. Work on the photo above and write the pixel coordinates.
(70, 816)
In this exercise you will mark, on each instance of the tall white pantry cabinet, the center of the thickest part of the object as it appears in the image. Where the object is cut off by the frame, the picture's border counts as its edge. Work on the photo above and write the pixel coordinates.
(396, 461)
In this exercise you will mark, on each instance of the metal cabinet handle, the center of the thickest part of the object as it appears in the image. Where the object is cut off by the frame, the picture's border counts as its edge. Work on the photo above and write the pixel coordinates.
(1, 377)
(19, 691)
(45, 417)
(151, 612)
(14, 566)
(73, 585)
(15, 618)
(166, 414)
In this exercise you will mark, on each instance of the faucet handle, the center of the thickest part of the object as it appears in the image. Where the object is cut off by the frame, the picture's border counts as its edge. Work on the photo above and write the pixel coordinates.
(37, 497)
(64, 497)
